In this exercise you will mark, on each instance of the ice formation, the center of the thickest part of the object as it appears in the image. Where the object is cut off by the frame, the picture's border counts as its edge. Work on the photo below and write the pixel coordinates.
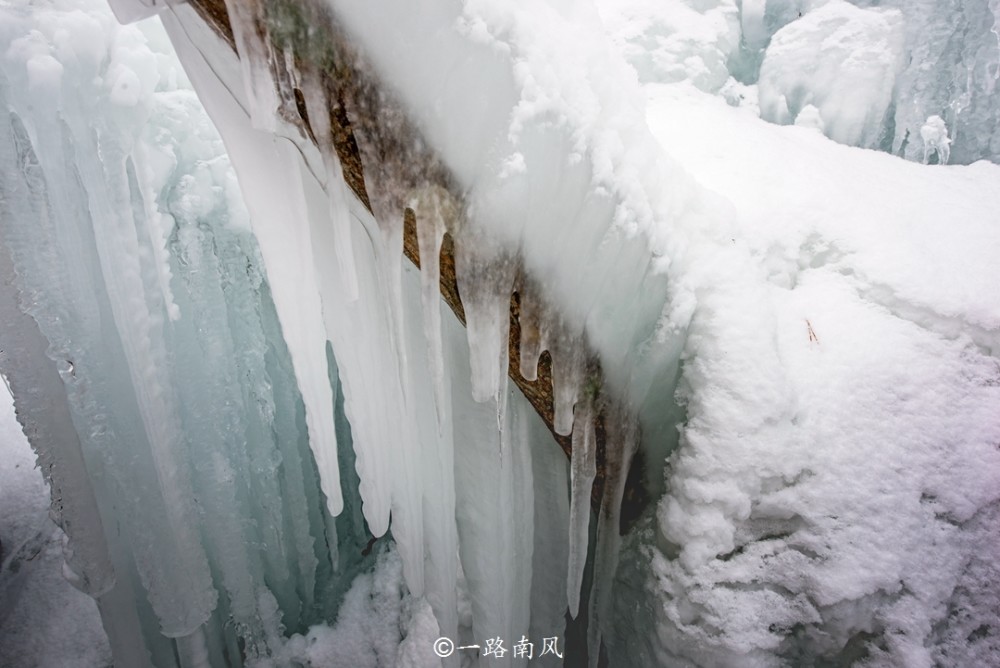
(270, 445)
(842, 61)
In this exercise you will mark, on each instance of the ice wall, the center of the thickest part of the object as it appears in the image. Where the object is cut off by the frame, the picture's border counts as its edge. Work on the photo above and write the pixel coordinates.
(149, 367)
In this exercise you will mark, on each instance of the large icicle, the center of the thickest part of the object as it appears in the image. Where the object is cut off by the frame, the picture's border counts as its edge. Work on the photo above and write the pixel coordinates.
(42, 410)
(140, 330)
(485, 280)
(550, 557)
(620, 447)
(583, 468)
(434, 210)
(318, 105)
(281, 228)
(494, 508)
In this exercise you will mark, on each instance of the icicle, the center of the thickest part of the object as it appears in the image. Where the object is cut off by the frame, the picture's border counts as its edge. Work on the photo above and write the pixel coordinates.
(583, 468)
(389, 261)
(158, 230)
(25, 356)
(551, 549)
(433, 206)
(619, 449)
(485, 285)
(43, 412)
(534, 332)
(494, 506)
(568, 367)
(148, 369)
(318, 106)
(249, 32)
(268, 172)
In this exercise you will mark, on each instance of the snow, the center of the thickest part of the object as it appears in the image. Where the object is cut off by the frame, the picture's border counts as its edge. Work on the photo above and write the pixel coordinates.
(838, 461)
(379, 624)
(675, 41)
(435, 212)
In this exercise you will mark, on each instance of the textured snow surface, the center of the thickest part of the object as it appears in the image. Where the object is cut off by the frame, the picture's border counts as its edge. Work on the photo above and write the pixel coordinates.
(838, 473)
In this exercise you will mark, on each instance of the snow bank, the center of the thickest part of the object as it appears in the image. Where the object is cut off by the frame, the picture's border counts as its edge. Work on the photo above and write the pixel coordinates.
(379, 624)
(836, 486)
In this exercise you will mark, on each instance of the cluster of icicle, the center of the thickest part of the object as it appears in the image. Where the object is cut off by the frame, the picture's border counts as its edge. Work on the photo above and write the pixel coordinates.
(215, 468)
(401, 173)
(147, 363)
